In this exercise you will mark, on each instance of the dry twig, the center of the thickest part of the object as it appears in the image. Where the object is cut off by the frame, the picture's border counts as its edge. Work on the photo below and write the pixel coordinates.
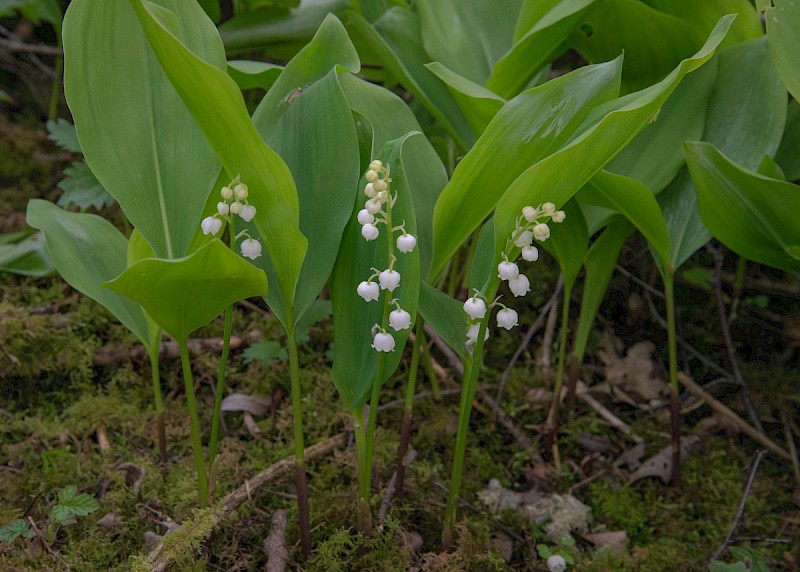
(410, 457)
(275, 543)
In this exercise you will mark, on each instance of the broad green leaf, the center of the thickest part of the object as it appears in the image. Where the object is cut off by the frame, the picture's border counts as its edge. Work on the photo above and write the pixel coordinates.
(600, 261)
(87, 250)
(568, 243)
(528, 128)
(372, 9)
(138, 249)
(788, 153)
(269, 26)
(136, 133)
(396, 38)
(390, 118)
(62, 133)
(557, 177)
(478, 104)
(467, 36)
(530, 13)
(211, 8)
(26, 256)
(686, 229)
(70, 504)
(783, 29)
(184, 294)
(539, 45)
(445, 315)
(753, 215)
(216, 104)
(249, 74)
(483, 266)
(769, 168)
(355, 365)
(82, 189)
(703, 17)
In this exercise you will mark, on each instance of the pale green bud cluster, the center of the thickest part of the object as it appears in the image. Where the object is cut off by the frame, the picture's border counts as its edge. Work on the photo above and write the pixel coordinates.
(234, 203)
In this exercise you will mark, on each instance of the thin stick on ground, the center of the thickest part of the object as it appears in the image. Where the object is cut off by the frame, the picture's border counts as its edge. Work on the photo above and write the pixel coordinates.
(391, 488)
(275, 543)
(740, 513)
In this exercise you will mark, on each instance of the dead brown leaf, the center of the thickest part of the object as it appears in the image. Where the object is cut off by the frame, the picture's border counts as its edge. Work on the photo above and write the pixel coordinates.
(636, 373)
(616, 540)
(660, 464)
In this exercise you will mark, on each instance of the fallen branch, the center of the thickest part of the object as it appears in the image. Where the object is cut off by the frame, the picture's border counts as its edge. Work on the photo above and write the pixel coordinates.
(275, 543)
(160, 560)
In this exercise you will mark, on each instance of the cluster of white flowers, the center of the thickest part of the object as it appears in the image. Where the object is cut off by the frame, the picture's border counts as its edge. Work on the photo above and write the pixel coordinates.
(234, 202)
(531, 225)
(378, 210)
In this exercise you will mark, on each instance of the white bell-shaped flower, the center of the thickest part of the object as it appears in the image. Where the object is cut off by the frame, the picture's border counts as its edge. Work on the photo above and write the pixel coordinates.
(475, 308)
(399, 319)
(559, 216)
(227, 193)
(524, 239)
(406, 242)
(507, 318)
(251, 248)
(529, 213)
(472, 333)
(369, 190)
(507, 270)
(365, 217)
(530, 253)
(248, 212)
(369, 290)
(556, 563)
(519, 285)
(236, 207)
(211, 225)
(548, 208)
(541, 232)
(369, 231)
(389, 279)
(240, 191)
(383, 342)
(373, 206)
(223, 208)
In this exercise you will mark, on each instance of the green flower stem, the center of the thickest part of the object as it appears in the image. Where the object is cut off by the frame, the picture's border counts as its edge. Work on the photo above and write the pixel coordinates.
(303, 509)
(55, 86)
(427, 363)
(363, 515)
(408, 407)
(672, 348)
(159, 402)
(562, 355)
(197, 446)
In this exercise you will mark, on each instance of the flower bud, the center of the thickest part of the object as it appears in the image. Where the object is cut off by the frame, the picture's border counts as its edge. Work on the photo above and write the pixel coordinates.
(475, 308)
(400, 320)
(369, 190)
(524, 239)
(223, 208)
(369, 291)
(375, 165)
(365, 217)
(371, 176)
(548, 208)
(406, 242)
(369, 231)
(226, 193)
(240, 191)
(507, 318)
(507, 270)
(559, 216)
(373, 206)
(530, 253)
(389, 279)
(211, 225)
(529, 213)
(251, 248)
(519, 285)
(541, 232)
(379, 185)
(472, 333)
(383, 342)
(248, 212)
(236, 207)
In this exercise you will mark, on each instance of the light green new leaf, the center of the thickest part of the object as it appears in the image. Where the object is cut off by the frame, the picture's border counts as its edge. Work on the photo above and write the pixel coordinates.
(557, 177)
(445, 315)
(534, 50)
(249, 74)
(135, 132)
(783, 29)
(184, 294)
(216, 104)
(87, 250)
(468, 36)
(70, 504)
(355, 364)
(528, 128)
(753, 215)
(788, 153)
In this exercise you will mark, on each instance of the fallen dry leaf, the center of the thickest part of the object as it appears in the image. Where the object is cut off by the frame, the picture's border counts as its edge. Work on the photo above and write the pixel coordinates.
(616, 540)
(635, 373)
(660, 464)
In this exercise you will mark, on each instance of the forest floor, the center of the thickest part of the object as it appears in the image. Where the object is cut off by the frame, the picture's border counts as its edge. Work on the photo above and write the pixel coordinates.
(77, 410)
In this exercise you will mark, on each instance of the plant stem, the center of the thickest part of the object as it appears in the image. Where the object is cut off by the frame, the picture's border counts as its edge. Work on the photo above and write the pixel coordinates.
(159, 402)
(672, 348)
(303, 510)
(197, 446)
(408, 407)
(363, 514)
(55, 87)
(427, 364)
(215, 420)
(552, 416)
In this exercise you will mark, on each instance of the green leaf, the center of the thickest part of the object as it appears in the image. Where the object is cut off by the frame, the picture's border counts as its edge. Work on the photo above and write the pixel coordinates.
(528, 128)
(568, 243)
(211, 8)
(82, 189)
(754, 216)
(558, 176)
(537, 47)
(26, 257)
(783, 29)
(71, 504)
(264, 351)
(467, 36)
(445, 315)
(318, 311)
(217, 105)
(600, 262)
(87, 250)
(355, 366)
(788, 153)
(136, 133)
(18, 528)
(184, 294)
(62, 133)
(250, 74)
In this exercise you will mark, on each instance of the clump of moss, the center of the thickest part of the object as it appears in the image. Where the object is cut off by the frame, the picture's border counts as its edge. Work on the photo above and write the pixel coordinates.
(619, 508)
